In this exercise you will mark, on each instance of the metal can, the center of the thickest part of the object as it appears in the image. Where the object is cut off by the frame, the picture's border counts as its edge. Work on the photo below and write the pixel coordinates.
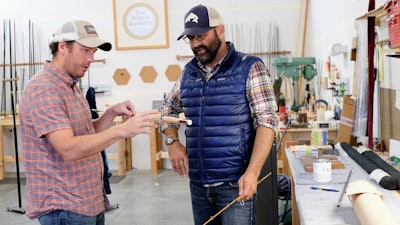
(322, 170)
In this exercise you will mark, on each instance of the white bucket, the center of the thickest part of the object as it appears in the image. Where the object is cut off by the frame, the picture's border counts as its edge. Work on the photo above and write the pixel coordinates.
(322, 170)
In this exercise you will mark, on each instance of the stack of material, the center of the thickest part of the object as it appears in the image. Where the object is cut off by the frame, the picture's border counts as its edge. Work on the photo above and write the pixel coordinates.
(308, 162)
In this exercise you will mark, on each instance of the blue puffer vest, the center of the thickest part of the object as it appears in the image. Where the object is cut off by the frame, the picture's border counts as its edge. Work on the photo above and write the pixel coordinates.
(220, 140)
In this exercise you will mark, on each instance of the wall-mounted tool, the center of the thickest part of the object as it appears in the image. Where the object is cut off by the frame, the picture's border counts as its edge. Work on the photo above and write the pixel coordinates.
(294, 67)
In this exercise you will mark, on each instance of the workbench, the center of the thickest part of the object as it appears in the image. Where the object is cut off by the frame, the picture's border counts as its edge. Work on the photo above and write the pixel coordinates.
(316, 207)
(123, 156)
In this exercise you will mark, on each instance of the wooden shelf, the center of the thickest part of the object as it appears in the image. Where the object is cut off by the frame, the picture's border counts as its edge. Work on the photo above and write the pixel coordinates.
(378, 13)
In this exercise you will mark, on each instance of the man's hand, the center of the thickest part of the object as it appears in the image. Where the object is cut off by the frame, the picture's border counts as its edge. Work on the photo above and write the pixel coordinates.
(124, 109)
(139, 123)
(178, 158)
(247, 186)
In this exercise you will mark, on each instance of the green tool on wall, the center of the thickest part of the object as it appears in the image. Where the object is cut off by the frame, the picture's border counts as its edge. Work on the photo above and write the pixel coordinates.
(294, 67)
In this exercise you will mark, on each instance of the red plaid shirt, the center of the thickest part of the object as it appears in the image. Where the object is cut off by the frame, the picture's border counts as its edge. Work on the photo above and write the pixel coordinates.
(50, 102)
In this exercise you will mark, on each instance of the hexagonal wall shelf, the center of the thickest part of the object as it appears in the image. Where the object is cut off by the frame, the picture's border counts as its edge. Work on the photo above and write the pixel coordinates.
(148, 74)
(173, 72)
(121, 76)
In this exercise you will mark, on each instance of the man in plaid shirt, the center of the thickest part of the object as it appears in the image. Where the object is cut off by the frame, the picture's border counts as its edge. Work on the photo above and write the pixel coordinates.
(61, 143)
(229, 98)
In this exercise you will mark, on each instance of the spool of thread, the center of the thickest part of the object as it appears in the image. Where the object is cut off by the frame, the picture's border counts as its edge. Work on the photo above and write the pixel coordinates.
(322, 170)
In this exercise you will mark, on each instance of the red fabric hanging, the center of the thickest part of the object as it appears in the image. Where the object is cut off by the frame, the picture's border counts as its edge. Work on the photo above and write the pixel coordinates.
(371, 72)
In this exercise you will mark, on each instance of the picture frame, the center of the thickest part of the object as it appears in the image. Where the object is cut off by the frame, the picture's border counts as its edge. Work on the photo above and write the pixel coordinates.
(140, 24)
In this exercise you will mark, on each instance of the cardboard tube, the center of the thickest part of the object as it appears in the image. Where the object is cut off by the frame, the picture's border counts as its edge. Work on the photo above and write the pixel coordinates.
(368, 204)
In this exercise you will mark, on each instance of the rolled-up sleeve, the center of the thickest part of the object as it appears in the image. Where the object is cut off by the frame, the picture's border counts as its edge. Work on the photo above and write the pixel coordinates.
(261, 97)
(172, 106)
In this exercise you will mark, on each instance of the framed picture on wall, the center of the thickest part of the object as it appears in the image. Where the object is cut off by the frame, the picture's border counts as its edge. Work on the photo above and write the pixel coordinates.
(140, 24)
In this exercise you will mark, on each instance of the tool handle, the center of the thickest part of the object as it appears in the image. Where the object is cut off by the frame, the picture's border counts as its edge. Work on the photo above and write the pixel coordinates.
(171, 119)
(344, 190)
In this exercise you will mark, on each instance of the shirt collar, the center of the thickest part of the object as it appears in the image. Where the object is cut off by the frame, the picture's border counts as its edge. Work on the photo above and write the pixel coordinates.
(214, 70)
(64, 77)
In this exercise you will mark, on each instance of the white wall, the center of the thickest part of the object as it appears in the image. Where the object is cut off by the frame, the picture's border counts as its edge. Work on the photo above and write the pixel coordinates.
(332, 22)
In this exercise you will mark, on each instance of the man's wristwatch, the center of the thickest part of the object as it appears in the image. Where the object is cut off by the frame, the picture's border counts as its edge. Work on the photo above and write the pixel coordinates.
(170, 139)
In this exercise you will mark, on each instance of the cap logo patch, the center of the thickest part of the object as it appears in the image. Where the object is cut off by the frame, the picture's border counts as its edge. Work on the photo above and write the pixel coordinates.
(90, 29)
(192, 18)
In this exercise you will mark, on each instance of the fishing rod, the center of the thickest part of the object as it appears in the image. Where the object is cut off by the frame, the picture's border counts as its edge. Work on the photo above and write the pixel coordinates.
(283, 134)
(233, 201)
(15, 67)
(23, 60)
(30, 70)
(3, 86)
(13, 79)
(33, 51)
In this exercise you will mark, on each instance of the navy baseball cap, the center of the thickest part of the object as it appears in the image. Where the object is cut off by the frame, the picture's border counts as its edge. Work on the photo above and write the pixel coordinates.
(199, 20)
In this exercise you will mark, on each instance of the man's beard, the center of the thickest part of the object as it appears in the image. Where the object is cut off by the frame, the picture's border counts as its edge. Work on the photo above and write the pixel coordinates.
(211, 51)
